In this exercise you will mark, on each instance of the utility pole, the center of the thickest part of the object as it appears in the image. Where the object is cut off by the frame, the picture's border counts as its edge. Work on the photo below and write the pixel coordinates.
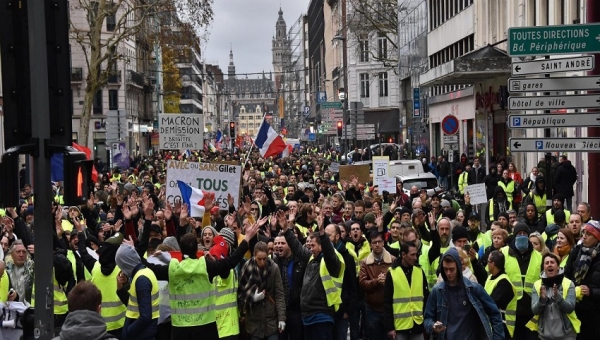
(593, 15)
(345, 66)
(38, 63)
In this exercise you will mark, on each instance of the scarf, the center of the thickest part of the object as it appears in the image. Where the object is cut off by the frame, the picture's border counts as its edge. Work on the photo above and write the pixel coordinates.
(584, 261)
(562, 251)
(251, 279)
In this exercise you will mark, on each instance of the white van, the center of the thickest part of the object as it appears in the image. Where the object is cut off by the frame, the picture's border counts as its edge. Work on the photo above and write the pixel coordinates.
(405, 167)
(424, 180)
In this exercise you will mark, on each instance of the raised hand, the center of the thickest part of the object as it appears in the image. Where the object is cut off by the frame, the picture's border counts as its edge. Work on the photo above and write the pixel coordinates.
(168, 211)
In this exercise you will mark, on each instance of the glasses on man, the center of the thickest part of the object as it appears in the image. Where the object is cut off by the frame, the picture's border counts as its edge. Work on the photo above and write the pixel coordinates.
(355, 229)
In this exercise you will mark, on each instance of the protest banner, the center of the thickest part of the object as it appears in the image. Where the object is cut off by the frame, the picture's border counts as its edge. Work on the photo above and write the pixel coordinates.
(220, 179)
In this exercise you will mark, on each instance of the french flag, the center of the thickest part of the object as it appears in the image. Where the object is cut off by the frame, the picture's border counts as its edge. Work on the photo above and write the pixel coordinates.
(193, 197)
(268, 141)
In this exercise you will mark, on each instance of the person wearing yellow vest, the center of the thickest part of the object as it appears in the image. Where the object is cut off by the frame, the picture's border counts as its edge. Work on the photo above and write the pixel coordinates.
(84, 320)
(463, 179)
(191, 288)
(141, 317)
(553, 303)
(508, 185)
(104, 273)
(497, 204)
(557, 205)
(502, 291)
(460, 309)
(260, 295)
(522, 265)
(405, 293)
(321, 294)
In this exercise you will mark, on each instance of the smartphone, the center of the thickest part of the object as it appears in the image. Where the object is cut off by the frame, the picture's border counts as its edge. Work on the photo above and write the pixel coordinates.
(467, 248)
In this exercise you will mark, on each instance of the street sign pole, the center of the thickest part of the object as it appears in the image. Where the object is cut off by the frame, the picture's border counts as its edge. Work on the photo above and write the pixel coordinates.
(525, 85)
(536, 67)
(551, 40)
(553, 102)
(539, 121)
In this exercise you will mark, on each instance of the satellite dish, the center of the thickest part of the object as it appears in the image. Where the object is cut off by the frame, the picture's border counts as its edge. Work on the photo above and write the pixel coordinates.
(186, 81)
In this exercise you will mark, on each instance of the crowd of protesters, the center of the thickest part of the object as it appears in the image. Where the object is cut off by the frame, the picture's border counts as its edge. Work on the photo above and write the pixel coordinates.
(309, 255)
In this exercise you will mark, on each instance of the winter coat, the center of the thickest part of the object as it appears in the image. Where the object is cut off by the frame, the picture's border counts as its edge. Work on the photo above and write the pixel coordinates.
(565, 178)
(262, 317)
(369, 281)
(84, 324)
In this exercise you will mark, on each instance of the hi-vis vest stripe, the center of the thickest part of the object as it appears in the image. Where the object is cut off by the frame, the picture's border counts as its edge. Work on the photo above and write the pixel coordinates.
(191, 294)
(510, 314)
(113, 310)
(226, 309)
(332, 285)
(133, 310)
(566, 283)
(407, 302)
(60, 298)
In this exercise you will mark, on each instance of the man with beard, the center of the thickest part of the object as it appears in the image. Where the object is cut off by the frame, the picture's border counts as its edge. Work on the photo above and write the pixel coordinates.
(104, 272)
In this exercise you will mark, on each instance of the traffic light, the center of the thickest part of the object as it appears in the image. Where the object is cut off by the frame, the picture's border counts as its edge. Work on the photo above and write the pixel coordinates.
(340, 127)
(232, 129)
(77, 177)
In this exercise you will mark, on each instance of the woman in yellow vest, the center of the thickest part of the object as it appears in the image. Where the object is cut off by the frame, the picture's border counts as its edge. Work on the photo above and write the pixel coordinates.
(553, 303)
(502, 291)
(260, 295)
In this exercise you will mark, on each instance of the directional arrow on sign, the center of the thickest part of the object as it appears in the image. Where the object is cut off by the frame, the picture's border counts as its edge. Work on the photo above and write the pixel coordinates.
(524, 68)
(553, 84)
(539, 121)
(553, 102)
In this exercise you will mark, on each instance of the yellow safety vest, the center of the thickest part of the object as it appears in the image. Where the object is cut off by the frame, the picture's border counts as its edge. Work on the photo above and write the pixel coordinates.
(113, 310)
(332, 285)
(433, 267)
(4, 286)
(540, 203)
(522, 282)
(133, 310)
(407, 303)
(226, 309)
(351, 251)
(566, 283)
(510, 314)
(86, 273)
(463, 182)
(550, 216)
(61, 306)
(191, 293)
(115, 178)
(509, 189)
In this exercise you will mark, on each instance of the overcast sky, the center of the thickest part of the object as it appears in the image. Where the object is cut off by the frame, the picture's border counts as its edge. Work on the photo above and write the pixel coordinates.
(249, 26)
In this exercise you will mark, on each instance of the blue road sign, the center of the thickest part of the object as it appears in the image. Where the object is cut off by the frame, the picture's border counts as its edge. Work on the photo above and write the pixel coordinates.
(321, 97)
(516, 121)
(312, 137)
(416, 102)
(539, 144)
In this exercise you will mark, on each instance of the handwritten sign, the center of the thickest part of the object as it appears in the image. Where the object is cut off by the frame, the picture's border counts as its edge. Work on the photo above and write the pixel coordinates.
(381, 169)
(334, 167)
(220, 179)
(180, 131)
(477, 193)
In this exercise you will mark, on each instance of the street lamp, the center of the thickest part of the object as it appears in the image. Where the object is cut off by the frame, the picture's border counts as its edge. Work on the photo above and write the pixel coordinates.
(342, 93)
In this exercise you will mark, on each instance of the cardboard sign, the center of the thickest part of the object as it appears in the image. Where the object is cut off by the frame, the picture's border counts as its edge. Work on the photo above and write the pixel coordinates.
(220, 179)
(477, 193)
(362, 171)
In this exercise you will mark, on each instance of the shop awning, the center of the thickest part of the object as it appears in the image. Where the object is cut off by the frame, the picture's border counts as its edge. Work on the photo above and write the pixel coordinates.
(389, 120)
(474, 67)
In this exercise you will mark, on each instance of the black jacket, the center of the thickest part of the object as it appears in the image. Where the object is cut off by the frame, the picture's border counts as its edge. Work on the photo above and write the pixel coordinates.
(350, 284)
(589, 305)
(476, 175)
(565, 178)
(293, 303)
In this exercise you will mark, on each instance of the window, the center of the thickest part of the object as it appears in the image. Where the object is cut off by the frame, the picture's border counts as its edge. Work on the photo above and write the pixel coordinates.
(383, 84)
(364, 85)
(113, 99)
(382, 46)
(111, 20)
(97, 105)
(364, 49)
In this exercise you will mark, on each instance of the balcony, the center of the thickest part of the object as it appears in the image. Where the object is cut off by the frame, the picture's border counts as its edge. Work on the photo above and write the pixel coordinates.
(114, 77)
(135, 78)
(76, 75)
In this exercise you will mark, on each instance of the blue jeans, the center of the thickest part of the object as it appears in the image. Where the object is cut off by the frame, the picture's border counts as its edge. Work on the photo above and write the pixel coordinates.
(340, 329)
(318, 331)
(374, 325)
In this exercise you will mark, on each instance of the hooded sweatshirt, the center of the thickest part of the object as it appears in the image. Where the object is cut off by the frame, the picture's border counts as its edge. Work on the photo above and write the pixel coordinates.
(127, 259)
(84, 324)
(463, 322)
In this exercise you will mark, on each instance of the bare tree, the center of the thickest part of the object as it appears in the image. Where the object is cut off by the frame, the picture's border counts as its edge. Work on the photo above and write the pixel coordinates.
(373, 25)
(110, 23)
